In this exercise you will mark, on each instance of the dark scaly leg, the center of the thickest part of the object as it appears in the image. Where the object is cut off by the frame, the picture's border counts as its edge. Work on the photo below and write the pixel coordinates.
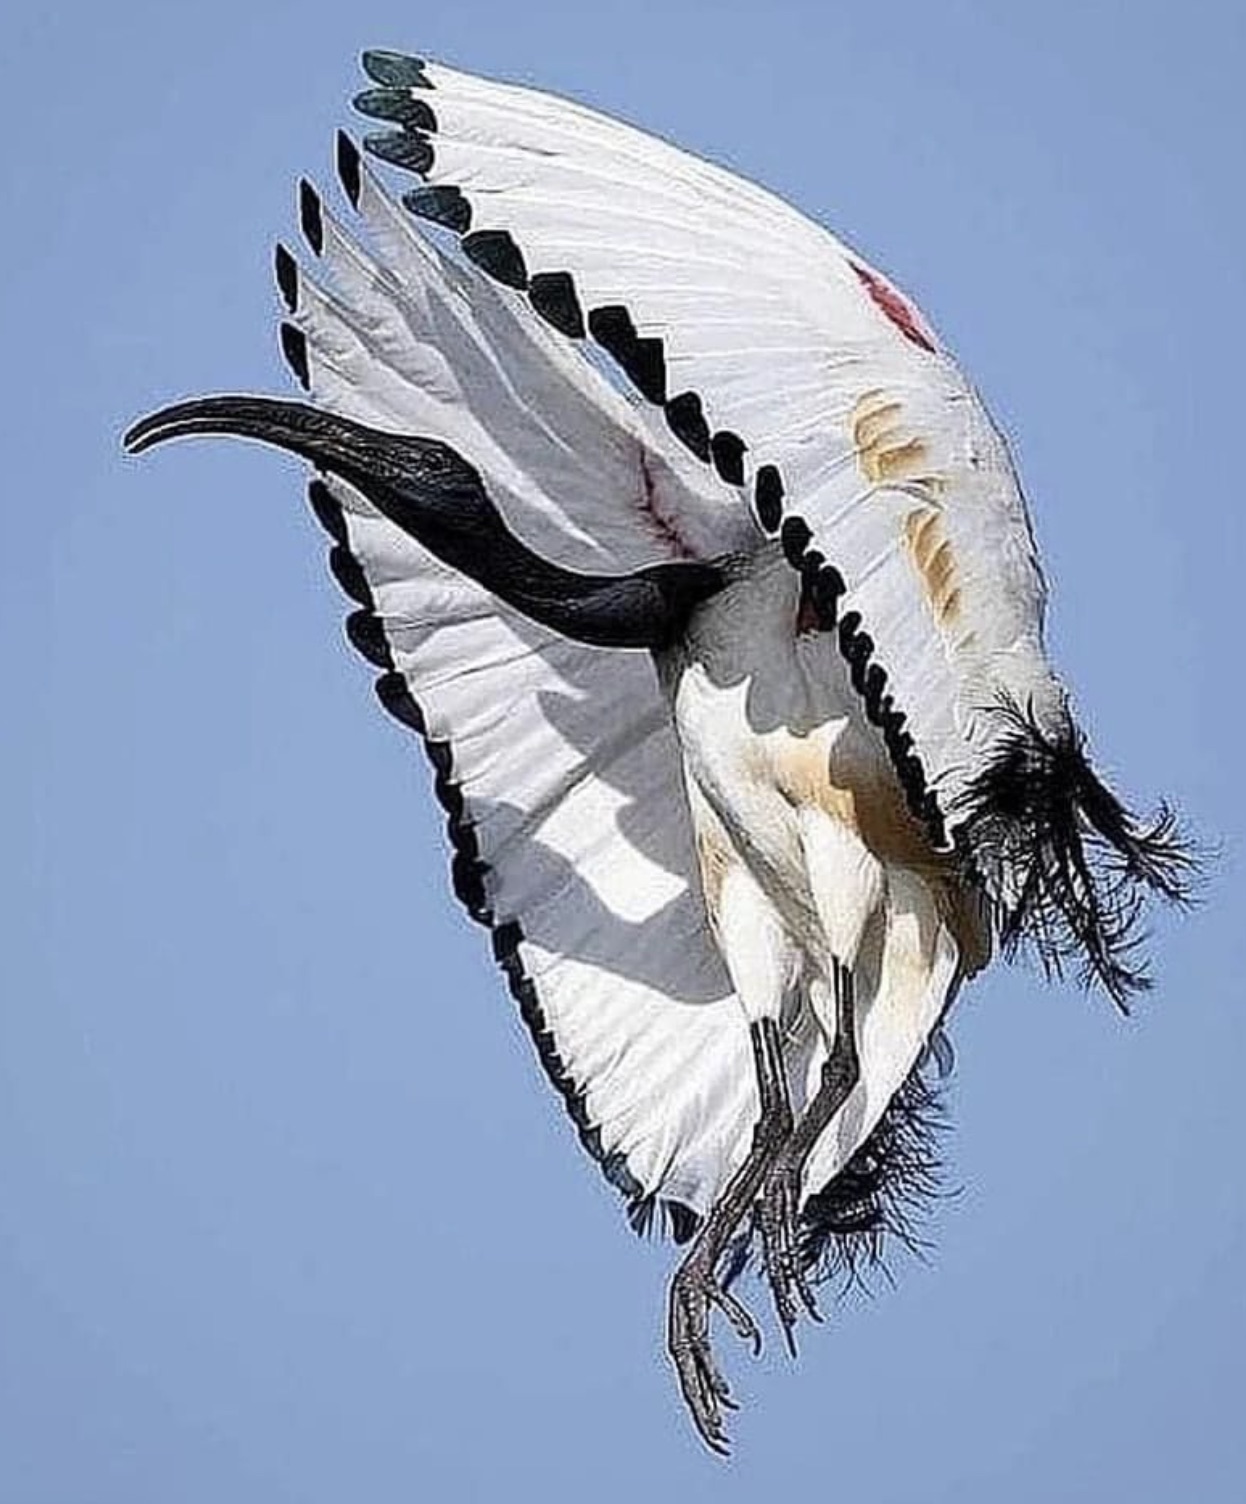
(780, 1205)
(695, 1288)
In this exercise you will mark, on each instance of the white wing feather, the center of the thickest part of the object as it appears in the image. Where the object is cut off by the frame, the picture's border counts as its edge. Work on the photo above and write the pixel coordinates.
(809, 356)
(558, 762)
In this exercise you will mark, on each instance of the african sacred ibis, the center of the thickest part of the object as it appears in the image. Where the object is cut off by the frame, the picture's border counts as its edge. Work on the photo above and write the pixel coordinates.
(701, 570)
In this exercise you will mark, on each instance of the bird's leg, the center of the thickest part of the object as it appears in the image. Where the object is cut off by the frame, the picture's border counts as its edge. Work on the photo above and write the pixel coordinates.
(848, 885)
(763, 961)
(695, 1288)
(781, 1194)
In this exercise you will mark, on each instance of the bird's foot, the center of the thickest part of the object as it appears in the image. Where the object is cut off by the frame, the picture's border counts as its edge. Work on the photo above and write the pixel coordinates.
(695, 1291)
(779, 1220)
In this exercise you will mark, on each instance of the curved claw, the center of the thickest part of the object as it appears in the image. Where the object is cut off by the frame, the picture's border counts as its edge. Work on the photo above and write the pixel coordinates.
(699, 1381)
(807, 1297)
(741, 1320)
(694, 1291)
(779, 1214)
(695, 1288)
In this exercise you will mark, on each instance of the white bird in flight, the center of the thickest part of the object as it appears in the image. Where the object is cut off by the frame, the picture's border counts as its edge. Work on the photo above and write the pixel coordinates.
(705, 577)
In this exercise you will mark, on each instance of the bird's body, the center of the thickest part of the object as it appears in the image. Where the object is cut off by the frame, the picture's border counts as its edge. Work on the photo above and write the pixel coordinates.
(708, 582)
(807, 850)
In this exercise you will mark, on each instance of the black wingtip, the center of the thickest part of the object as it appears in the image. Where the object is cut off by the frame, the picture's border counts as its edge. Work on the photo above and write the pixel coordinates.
(495, 252)
(685, 418)
(826, 588)
(367, 637)
(311, 216)
(328, 512)
(409, 149)
(768, 497)
(643, 360)
(395, 70)
(397, 106)
(554, 297)
(794, 536)
(441, 204)
(294, 348)
(393, 693)
(348, 572)
(728, 450)
(286, 269)
(349, 168)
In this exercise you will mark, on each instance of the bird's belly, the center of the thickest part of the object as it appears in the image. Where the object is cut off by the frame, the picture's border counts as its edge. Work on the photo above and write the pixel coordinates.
(760, 773)
(755, 778)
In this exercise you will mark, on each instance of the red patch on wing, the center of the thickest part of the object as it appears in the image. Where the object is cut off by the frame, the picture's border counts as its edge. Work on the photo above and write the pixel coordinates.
(663, 525)
(807, 619)
(906, 318)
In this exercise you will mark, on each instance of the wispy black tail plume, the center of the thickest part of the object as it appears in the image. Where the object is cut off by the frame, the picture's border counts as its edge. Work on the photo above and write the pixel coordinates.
(879, 1199)
(1067, 867)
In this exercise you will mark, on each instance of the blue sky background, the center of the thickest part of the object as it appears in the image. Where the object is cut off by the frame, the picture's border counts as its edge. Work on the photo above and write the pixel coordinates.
(287, 1212)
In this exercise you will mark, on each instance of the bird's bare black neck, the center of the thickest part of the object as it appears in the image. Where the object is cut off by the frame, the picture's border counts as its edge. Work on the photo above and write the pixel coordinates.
(436, 497)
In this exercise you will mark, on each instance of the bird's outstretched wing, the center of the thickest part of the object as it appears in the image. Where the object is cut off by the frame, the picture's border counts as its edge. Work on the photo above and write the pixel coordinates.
(779, 386)
(556, 762)
(795, 372)
(813, 395)
(561, 786)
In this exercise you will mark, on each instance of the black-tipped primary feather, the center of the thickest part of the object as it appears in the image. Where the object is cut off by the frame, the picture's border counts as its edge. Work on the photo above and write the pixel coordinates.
(642, 360)
(287, 273)
(396, 105)
(349, 167)
(467, 877)
(393, 693)
(768, 495)
(294, 348)
(857, 656)
(913, 777)
(795, 540)
(827, 590)
(346, 571)
(407, 149)
(554, 297)
(875, 683)
(311, 216)
(441, 204)
(495, 252)
(507, 938)
(328, 512)
(367, 637)
(727, 450)
(395, 70)
(686, 419)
